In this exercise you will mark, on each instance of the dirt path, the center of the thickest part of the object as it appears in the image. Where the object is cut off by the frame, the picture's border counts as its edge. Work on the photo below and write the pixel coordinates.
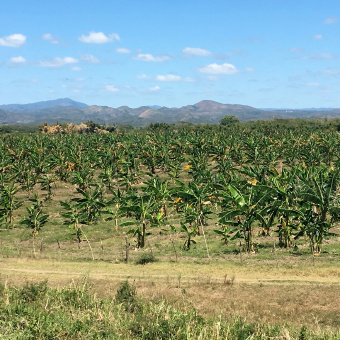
(17, 270)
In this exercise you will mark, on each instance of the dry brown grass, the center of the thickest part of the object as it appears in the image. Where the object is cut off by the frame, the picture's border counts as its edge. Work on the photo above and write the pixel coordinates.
(298, 296)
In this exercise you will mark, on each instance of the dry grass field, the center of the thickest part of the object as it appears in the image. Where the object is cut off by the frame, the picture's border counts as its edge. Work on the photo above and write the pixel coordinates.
(295, 294)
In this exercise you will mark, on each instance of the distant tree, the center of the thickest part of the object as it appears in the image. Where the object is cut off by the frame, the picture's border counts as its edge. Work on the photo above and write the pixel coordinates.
(92, 126)
(229, 121)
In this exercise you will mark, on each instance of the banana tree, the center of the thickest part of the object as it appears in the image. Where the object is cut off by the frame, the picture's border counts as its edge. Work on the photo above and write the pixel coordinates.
(161, 192)
(46, 183)
(118, 201)
(9, 202)
(190, 233)
(282, 208)
(91, 204)
(72, 219)
(83, 178)
(242, 209)
(195, 204)
(35, 219)
(319, 199)
(146, 212)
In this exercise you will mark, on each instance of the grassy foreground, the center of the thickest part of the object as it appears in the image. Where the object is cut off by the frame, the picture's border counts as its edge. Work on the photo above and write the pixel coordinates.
(44, 299)
(36, 311)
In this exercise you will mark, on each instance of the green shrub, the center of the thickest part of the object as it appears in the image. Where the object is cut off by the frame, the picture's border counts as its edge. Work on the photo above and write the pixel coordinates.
(127, 296)
(33, 291)
(146, 258)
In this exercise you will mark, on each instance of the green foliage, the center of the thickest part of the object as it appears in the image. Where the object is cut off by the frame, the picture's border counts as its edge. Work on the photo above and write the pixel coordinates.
(35, 219)
(229, 121)
(146, 258)
(33, 291)
(126, 294)
(36, 311)
(278, 178)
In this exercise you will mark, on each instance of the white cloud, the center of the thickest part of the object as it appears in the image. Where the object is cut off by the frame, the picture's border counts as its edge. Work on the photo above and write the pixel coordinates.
(98, 38)
(52, 38)
(153, 88)
(150, 57)
(122, 50)
(318, 36)
(193, 51)
(90, 58)
(111, 88)
(18, 60)
(14, 40)
(57, 62)
(168, 77)
(165, 78)
(250, 69)
(150, 89)
(329, 21)
(75, 68)
(219, 69)
(143, 76)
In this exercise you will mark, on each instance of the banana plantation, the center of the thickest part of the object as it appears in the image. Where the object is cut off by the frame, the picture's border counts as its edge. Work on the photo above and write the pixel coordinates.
(234, 183)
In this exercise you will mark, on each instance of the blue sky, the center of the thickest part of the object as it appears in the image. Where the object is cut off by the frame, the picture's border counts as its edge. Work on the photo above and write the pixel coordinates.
(262, 53)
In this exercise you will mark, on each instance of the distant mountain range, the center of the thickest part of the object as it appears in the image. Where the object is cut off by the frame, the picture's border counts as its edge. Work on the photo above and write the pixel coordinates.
(206, 111)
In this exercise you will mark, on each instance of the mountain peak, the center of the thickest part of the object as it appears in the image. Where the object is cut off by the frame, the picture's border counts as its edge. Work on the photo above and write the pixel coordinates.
(208, 105)
(43, 105)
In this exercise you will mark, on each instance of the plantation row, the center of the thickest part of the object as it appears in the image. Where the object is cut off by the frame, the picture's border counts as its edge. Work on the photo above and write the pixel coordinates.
(179, 179)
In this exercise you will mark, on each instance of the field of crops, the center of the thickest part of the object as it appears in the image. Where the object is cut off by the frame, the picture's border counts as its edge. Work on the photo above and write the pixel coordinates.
(223, 202)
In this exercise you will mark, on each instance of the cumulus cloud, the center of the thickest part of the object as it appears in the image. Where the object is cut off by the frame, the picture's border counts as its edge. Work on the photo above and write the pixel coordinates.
(218, 69)
(150, 57)
(195, 51)
(14, 40)
(98, 38)
(57, 62)
(111, 88)
(150, 89)
(172, 77)
(165, 78)
(18, 60)
(122, 50)
(330, 21)
(52, 38)
(90, 58)
(168, 77)
(318, 36)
